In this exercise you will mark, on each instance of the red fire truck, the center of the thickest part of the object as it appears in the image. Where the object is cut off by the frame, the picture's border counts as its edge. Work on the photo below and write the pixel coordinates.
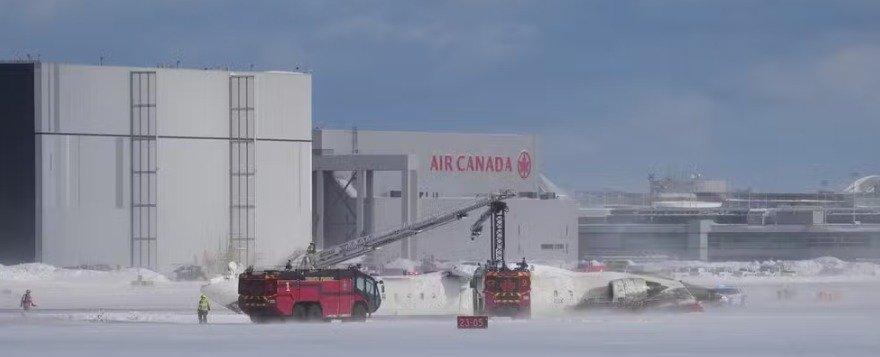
(499, 290)
(502, 293)
(308, 294)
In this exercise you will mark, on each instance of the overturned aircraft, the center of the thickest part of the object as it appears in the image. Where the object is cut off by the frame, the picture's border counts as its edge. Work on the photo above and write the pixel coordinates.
(555, 292)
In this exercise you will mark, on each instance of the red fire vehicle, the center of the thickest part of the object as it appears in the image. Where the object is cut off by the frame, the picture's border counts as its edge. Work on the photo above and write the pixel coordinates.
(592, 266)
(308, 294)
(498, 289)
(502, 293)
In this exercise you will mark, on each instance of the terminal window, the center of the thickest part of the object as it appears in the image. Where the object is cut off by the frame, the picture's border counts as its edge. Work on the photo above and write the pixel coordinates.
(552, 246)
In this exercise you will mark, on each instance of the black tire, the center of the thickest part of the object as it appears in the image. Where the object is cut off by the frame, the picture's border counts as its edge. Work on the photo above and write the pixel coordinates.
(300, 312)
(359, 312)
(315, 313)
(477, 304)
(259, 319)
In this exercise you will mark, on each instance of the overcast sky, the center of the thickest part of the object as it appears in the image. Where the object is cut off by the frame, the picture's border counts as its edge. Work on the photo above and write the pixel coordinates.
(771, 95)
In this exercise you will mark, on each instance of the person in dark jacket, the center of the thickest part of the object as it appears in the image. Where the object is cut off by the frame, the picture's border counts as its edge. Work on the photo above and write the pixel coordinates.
(204, 307)
(27, 301)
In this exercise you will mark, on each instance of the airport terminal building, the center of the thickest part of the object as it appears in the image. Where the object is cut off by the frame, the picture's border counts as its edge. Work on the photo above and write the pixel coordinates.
(691, 218)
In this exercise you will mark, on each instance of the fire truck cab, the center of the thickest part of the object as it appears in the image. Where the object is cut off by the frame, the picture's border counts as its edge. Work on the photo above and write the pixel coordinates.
(308, 294)
(502, 292)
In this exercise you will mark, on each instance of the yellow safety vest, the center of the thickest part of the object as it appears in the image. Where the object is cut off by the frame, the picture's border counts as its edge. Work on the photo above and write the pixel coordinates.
(203, 305)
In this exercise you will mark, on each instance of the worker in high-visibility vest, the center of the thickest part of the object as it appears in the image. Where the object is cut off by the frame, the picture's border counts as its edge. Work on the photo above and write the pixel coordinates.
(204, 307)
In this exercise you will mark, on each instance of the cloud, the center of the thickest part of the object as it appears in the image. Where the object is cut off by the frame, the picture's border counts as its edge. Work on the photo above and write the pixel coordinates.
(37, 12)
(852, 71)
(781, 123)
(639, 129)
(844, 80)
(448, 34)
(749, 90)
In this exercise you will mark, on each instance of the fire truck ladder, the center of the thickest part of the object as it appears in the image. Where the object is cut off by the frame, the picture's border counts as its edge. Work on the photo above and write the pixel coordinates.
(365, 244)
(496, 212)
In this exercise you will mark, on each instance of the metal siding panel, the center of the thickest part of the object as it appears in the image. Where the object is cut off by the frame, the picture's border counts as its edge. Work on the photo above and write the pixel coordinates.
(194, 200)
(70, 233)
(91, 99)
(283, 106)
(281, 226)
(193, 103)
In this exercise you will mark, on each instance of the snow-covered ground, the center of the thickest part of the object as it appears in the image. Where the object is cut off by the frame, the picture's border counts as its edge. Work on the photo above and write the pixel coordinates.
(93, 313)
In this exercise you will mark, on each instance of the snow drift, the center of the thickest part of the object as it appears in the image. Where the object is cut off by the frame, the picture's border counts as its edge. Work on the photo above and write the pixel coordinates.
(44, 272)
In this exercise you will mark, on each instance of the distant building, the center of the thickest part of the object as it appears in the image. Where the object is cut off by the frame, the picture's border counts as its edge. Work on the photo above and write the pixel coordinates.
(692, 218)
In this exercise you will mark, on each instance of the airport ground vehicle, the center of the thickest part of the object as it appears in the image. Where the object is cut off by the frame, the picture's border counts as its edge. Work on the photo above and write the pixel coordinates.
(728, 295)
(591, 266)
(502, 292)
(316, 291)
(189, 273)
(308, 295)
(499, 290)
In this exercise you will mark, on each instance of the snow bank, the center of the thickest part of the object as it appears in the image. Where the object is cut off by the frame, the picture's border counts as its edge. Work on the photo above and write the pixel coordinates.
(826, 266)
(45, 272)
(116, 316)
(402, 264)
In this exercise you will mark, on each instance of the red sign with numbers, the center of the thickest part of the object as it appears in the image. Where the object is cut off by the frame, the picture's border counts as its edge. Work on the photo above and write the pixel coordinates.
(473, 322)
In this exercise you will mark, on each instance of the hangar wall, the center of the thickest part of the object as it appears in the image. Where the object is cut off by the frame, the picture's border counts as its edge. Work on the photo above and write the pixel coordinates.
(449, 177)
(539, 230)
(443, 159)
(84, 133)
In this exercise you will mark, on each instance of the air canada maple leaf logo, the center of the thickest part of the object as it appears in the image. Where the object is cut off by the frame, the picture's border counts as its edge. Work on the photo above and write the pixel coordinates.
(524, 164)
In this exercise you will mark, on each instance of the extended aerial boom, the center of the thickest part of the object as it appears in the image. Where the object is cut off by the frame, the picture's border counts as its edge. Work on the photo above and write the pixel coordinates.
(496, 213)
(364, 244)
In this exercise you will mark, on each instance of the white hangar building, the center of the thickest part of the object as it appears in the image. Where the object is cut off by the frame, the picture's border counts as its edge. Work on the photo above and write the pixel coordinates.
(153, 167)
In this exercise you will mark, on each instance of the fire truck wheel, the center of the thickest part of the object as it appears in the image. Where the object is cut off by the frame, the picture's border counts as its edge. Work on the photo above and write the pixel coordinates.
(522, 315)
(315, 313)
(359, 312)
(299, 312)
(478, 308)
